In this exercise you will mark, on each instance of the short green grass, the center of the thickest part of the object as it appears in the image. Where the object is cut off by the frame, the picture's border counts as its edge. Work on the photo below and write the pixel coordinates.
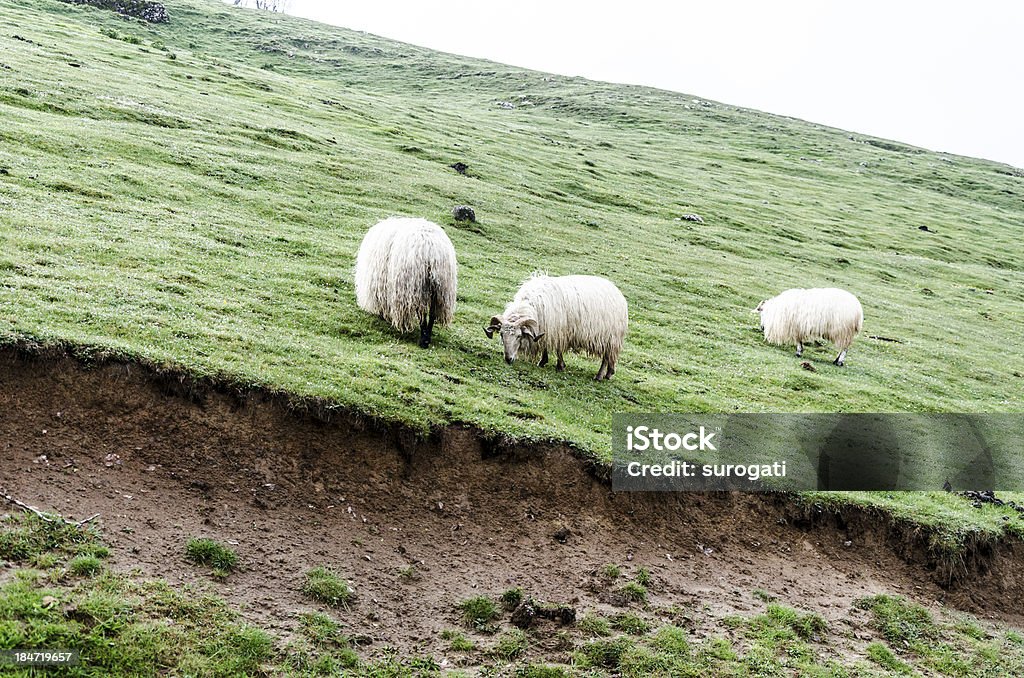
(203, 213)
(325, 585)
(478, 612)
(205, 551)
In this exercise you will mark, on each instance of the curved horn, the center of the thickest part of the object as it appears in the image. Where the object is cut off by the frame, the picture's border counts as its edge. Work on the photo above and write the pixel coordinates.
(495, 325)
(531, 328)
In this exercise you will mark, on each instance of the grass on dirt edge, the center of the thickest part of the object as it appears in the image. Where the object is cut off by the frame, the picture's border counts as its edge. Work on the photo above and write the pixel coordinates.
(126, 625)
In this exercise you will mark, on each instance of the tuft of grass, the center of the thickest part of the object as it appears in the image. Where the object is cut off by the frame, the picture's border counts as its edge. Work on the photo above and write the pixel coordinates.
(511, 598)
(630, 623)
(900, 621)
(643, 577)
(884, 657)
(323, 584)
(671, 640)
(606, 654)
(478, 613)
(542, 671)
(611, 571)
(594, 625)
(457, 641)
(85, 566)
(634, 592)
(511, 644)
(408, 574)
(24, 537)
(204, 551)
(764, 596)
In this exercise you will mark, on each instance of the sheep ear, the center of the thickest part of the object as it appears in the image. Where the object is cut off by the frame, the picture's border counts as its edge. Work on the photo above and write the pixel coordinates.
(531, 328)
(760, 307)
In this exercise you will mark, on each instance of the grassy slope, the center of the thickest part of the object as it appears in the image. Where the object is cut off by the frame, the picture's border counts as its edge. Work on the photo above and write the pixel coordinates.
(204, 211)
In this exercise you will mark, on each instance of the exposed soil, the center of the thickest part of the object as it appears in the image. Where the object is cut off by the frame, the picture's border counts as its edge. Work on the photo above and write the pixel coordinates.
(162, 458)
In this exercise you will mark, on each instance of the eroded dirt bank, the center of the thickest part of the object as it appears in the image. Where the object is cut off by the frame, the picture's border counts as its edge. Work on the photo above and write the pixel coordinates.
(162, 459)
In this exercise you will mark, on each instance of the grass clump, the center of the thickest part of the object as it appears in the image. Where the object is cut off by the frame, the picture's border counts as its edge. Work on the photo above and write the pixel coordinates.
(24, 537)
(630, 623)
(327, 586)
(511, 598)
(457, 641)
(85, 566)
(884, 657)
(542, 671)
(478, 612)
(900, 621)
(671, 640)
(595, 625)
(204, 551)
(643, 577)
(605, 654)
(611, 571)
(510, 645)
(634, 592)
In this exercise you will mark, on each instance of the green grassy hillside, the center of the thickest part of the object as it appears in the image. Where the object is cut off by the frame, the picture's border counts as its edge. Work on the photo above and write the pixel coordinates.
(194, 193)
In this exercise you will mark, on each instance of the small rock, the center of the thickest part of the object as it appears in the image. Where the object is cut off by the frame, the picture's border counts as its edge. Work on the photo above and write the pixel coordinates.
(464, 213)
(808, 366)
(507, 105)
(692, 217)
(562, 535)
(459, 167)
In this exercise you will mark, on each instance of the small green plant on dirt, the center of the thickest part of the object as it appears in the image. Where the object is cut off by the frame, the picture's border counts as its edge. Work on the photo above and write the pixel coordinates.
(85, 566)
(627, 622)
(884, 657)
(511, 598)
(511, 644)
(901, 622)
(605, 654)
(764, 596)
(611, 571)
(204, 551)
(634, 592)
(594, 624)
(542, 671)
(671, 640)
(643, 577)
(408, 574)
(457, 641)
(478, 612)
(325, 585)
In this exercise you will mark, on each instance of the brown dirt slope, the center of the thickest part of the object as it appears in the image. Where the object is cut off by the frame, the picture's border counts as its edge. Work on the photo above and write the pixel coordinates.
(163, 458)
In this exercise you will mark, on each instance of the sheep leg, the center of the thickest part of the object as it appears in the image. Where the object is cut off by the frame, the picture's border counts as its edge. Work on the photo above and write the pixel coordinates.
(601, 371)
(560, 366)
(839, 358)
(799, 349)
(610, 369)
(427, 324)
(543, 359)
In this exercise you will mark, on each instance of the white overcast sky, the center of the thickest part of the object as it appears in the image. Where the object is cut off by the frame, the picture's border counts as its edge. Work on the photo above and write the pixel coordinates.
(948, 76)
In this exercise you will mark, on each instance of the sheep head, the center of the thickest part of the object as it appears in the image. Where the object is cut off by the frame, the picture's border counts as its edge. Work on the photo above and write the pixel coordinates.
(515, 331)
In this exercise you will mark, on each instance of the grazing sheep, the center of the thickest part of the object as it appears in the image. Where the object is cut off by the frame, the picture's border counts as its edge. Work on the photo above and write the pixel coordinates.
(407, 274)
(560, 313)
(800, 315)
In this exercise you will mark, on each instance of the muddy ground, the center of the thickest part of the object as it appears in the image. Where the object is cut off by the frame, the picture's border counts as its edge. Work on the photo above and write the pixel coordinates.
(161, 459)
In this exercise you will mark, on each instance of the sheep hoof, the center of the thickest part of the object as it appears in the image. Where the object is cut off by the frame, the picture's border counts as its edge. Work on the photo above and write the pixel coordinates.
(838, 363)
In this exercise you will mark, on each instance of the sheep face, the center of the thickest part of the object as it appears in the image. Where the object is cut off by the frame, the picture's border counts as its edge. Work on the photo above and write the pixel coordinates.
(515, 332)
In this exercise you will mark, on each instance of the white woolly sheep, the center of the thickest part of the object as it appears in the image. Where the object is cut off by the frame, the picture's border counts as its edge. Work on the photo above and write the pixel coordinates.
(557, 314)
(407, 274)
(800, 315)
